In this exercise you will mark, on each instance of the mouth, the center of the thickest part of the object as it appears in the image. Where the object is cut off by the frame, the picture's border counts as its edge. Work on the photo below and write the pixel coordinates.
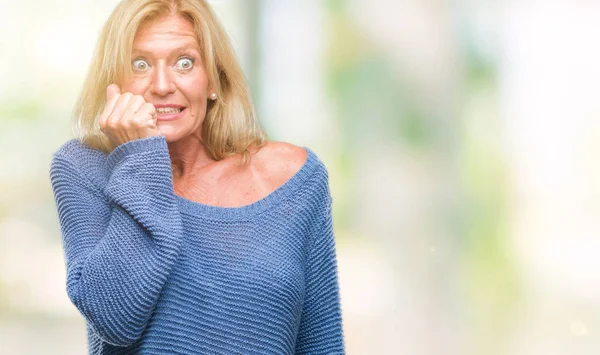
(169, 110)
(169, 113)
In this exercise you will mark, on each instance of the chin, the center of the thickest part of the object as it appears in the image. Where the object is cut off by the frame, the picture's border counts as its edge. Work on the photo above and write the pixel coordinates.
(171, 135)
(168, 133)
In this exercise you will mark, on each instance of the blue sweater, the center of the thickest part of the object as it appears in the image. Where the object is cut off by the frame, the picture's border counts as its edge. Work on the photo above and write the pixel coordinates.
(154, 273)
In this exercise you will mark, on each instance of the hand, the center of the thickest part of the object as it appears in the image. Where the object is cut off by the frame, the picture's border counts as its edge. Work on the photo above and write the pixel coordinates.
(127, 117)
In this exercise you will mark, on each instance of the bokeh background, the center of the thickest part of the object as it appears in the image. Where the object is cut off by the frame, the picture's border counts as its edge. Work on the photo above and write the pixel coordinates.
(462, 140)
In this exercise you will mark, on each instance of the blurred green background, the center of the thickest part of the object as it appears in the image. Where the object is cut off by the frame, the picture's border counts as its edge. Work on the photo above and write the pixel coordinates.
(462, 140)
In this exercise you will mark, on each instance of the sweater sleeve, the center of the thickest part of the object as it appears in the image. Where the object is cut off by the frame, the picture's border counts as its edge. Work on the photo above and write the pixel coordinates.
(320, 330)
(120, 242)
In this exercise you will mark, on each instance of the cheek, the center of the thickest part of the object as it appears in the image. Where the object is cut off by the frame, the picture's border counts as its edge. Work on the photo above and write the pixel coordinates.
(195, 90)
(197, 85)
(136, 86)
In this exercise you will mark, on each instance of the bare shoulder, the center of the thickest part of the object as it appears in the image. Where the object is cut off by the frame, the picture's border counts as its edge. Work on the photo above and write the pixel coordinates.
(285, 153)
(280, 160)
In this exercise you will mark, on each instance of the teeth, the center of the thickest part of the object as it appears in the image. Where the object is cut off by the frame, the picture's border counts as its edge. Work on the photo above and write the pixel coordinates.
(167, 110)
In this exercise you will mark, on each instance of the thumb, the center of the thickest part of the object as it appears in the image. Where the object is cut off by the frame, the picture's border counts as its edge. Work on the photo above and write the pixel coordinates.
(112, 91)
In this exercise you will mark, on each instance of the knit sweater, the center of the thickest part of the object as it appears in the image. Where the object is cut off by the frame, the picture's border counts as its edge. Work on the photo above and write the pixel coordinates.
(155, 273)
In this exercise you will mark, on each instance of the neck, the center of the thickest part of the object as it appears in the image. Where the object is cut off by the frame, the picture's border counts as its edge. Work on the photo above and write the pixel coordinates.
(188, 154)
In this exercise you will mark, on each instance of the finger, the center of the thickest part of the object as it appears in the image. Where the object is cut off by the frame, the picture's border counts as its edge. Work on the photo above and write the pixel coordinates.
(146, 113)
(112, 95)
(148, 109)
(119, 109)
(112, 90)
(134, 106)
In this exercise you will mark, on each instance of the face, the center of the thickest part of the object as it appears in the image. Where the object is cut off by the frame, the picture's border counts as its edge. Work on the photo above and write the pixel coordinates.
(168, 72)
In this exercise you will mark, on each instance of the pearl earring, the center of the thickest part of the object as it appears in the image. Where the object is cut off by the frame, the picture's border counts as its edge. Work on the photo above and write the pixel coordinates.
(213, 96)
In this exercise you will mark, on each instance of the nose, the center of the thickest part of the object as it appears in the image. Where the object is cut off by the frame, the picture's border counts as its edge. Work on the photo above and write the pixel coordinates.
(162, 80)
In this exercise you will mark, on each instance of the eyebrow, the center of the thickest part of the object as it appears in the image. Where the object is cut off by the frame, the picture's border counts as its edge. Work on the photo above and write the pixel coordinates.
(174, 50)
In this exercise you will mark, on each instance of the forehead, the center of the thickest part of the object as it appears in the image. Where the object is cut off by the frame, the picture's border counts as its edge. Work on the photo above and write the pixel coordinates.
(165, 30)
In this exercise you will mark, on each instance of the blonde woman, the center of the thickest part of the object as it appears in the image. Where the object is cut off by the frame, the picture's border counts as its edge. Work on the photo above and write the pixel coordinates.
(185, 231)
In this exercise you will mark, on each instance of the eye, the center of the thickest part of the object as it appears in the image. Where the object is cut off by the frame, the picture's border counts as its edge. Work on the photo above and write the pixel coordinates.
(140, 65)
(185, 63)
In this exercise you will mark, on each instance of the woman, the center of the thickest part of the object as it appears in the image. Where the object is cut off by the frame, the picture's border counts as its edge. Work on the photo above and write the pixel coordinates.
(184, 230)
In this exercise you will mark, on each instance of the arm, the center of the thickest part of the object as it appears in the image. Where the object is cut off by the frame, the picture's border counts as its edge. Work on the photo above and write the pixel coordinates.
(121, 243)
(320, 329)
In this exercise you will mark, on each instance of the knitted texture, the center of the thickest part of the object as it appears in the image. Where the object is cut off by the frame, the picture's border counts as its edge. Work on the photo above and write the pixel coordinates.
(154, 273)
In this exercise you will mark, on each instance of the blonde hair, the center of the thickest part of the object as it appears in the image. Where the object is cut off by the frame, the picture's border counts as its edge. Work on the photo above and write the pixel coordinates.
(230, 125)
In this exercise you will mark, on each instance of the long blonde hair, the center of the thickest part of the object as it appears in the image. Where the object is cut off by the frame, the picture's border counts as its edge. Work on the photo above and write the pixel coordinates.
(230, 125)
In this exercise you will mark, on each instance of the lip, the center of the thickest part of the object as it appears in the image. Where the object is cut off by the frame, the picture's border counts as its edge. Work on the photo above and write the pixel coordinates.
(170, 116)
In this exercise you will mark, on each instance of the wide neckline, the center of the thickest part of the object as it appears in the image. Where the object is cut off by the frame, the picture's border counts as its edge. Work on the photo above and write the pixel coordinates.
(246, 211)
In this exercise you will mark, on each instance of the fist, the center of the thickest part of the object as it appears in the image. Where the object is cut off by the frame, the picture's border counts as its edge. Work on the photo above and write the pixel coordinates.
(127, 117)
